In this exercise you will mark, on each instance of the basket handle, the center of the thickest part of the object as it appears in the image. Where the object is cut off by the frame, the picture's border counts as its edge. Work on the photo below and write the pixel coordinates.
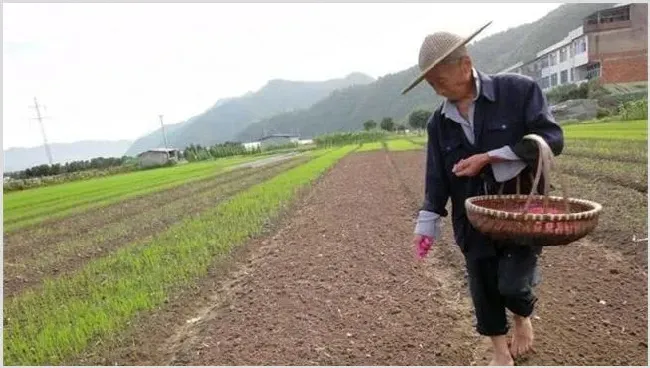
(544, 165)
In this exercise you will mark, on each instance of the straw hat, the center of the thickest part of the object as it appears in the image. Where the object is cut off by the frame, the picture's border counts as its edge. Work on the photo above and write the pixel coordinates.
(435, 48)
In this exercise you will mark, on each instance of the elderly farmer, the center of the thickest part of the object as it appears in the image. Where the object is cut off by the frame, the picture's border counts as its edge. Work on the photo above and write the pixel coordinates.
(475, 147)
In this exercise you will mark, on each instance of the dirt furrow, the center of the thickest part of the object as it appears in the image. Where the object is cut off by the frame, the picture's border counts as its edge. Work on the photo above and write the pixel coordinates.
(22, 271)
(337, 283)
(338, 286)
(628, 181)
(610, 157)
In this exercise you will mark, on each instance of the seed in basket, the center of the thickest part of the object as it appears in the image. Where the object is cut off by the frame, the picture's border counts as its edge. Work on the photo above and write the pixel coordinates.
(539, 209)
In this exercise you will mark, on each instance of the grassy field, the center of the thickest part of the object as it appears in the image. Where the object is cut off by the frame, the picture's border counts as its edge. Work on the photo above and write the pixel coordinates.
(373, 146)
(46, 325)
(402, 145)
(626, 130)
(36, 205)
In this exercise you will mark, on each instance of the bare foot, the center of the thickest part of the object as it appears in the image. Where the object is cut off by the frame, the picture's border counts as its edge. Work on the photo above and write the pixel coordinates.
(522, 339)
(501, 355)
(502, 360)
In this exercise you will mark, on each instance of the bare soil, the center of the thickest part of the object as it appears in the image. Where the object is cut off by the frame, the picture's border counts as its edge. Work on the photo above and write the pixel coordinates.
(336, 283)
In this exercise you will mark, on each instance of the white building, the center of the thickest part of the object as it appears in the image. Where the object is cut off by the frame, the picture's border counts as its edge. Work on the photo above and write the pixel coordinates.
(611, 44)
(562, 63)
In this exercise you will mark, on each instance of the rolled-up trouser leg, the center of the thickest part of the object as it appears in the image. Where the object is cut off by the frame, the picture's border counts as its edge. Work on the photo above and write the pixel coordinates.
(503, 281)
(489, 305)
(518, 275)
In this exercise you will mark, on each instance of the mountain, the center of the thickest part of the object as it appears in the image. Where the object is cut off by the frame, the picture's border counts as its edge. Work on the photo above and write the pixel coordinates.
(226, 118)
(347, 109)
(16, 159)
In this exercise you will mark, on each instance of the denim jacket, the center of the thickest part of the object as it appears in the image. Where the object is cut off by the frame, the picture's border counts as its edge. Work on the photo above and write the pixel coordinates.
(507, 107)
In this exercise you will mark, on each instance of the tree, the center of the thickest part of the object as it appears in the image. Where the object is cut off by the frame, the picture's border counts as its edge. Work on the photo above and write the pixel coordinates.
(418, 119)
(401, 127)
(387, 124)
(370, 125)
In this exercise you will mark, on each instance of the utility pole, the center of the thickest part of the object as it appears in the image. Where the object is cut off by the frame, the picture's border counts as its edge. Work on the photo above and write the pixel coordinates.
(163, 130)
(40, 122)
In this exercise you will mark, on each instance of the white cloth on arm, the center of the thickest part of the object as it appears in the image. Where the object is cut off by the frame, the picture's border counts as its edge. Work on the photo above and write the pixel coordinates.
(506, 170)
(428, 223)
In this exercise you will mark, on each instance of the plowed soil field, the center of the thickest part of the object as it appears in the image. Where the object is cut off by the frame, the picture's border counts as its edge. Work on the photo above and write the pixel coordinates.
(335, 282)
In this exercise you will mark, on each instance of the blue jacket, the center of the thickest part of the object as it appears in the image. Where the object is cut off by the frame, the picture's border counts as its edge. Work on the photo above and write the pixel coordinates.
(508, 107)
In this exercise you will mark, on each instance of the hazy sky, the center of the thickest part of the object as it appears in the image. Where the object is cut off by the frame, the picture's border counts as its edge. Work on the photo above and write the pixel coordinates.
(105, 71)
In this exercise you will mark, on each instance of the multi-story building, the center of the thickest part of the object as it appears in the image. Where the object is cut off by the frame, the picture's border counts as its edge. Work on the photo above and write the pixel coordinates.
(611, 44)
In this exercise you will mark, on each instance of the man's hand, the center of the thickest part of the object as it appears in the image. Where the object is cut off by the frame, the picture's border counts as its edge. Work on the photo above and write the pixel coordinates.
(472, 165)
(422, 244)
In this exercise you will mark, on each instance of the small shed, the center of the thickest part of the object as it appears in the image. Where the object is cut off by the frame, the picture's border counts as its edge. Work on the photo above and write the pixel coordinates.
(158, 157)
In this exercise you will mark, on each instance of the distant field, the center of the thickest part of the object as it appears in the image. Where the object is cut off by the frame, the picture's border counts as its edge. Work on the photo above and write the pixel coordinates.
(620, 150)
(627, 130)
(419, 139)
(373, 146)
(402, 145)
(35, 205)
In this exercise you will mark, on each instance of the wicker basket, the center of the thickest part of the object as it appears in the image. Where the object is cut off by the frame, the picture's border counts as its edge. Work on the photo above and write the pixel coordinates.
(534, 219)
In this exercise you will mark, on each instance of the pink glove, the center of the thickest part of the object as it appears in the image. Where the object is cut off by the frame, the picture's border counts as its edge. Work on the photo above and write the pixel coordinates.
(424, 247)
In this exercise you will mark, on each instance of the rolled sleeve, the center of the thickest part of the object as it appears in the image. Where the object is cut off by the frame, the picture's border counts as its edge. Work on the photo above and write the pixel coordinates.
(428, 224)
(506, 170)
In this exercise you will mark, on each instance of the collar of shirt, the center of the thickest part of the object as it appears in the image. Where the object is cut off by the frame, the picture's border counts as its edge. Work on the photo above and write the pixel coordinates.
(450, 110)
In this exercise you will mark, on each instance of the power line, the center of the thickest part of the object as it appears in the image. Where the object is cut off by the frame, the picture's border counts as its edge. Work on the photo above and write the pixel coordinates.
(40, 122)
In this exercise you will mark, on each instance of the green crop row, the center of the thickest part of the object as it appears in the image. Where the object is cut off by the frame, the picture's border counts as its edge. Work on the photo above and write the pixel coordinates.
(49, 325)
(625, 130)
(373, 146)
(402, 145)
(36, 205)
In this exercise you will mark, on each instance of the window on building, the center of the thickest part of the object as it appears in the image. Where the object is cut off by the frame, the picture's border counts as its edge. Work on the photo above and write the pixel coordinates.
(553, 79)
(615, 15)
(572, 49)
(563, 54)
(552, 59)
(593, 71)
(580, 46)
(572, 75)
(564, 77)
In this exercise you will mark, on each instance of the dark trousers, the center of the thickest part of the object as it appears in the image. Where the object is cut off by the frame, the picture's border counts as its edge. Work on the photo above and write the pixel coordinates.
(503, 281)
